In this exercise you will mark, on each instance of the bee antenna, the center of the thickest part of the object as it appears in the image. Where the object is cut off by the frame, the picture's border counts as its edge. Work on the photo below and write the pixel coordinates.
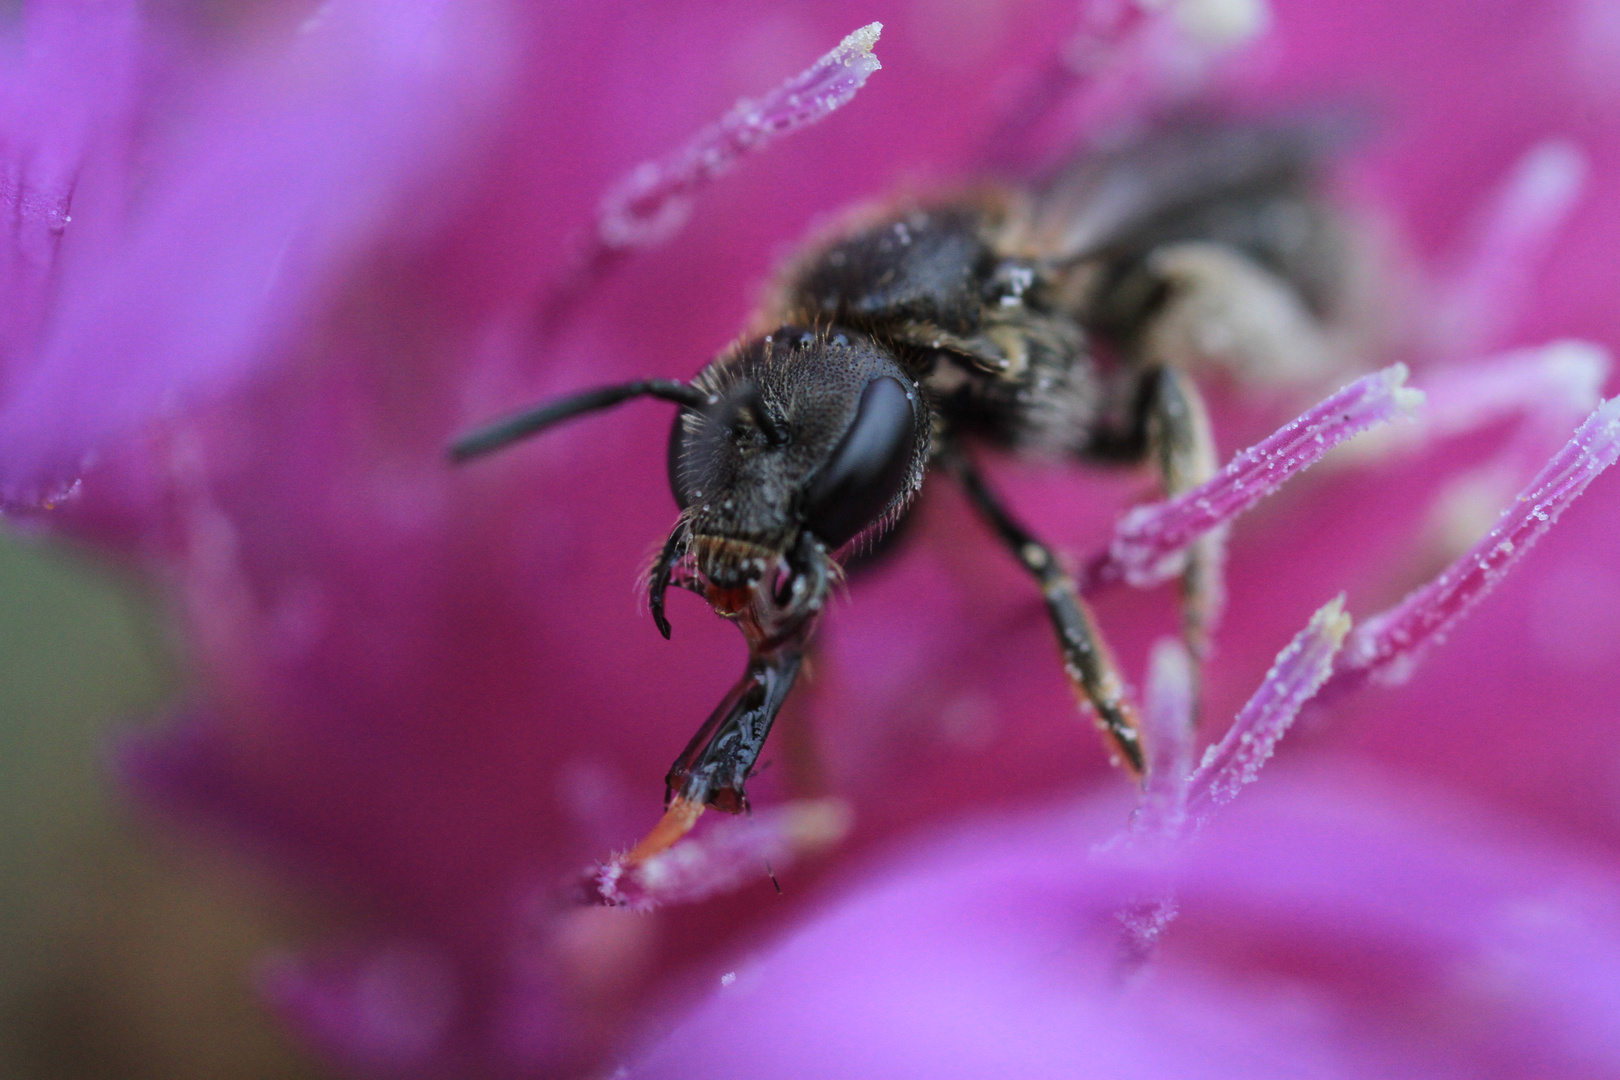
(508, 430)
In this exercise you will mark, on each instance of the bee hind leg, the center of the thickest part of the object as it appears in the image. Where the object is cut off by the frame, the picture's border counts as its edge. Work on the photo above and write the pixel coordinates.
(1223, 310)
(1182, 447)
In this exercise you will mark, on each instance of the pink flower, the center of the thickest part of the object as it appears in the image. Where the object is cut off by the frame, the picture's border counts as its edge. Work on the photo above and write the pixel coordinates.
(258, 279)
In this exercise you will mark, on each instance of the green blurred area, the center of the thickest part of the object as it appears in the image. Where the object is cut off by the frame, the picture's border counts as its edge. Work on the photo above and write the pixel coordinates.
(123, 953)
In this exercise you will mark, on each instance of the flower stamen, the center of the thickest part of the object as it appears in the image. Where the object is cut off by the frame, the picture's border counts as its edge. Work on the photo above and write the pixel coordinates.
(1150, 541)
(719, 860)
(651, 203)
(1484, 297)
(1299, 671)
(1387, 646)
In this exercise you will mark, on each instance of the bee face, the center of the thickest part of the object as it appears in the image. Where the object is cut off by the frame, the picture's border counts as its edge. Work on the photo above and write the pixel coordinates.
(806, 433)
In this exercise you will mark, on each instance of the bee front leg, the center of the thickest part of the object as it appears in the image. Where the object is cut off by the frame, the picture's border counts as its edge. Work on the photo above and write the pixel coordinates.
(713, 767)
(1086, 658)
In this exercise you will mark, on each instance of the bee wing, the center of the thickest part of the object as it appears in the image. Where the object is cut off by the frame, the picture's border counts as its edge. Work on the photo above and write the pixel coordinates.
(1119, 199)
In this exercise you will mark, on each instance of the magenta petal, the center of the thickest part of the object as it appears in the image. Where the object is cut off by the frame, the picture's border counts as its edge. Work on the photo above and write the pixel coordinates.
(1327, 930)
(191, 767)
(68, 94)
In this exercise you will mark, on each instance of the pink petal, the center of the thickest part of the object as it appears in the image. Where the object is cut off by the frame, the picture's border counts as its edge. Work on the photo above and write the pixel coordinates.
(1347, 928)
(246, 221)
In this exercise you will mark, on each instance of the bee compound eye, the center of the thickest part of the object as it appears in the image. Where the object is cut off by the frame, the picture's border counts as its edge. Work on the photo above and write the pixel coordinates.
(869, 466)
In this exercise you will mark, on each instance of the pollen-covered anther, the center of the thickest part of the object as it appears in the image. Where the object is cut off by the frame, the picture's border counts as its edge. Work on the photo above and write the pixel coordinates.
(1298, 673)
(1176, 800)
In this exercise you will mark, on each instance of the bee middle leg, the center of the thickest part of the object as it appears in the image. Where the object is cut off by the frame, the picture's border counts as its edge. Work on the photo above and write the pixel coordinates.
(1086, 658)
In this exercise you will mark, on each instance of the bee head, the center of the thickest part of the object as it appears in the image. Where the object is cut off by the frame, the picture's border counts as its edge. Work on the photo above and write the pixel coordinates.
(787, 448)
(810, 438)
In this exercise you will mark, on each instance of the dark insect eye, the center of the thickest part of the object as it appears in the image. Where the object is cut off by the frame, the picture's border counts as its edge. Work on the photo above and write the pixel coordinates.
(867, 468)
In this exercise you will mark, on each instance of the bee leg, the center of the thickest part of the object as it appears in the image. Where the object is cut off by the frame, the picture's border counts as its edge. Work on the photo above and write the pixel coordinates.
(778, 627)
(1224, 310)
(1183, 449)
(1085, 654)
(714, 765)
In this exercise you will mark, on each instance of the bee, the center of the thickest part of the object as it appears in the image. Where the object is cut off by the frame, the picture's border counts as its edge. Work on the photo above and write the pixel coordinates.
(1064, 320)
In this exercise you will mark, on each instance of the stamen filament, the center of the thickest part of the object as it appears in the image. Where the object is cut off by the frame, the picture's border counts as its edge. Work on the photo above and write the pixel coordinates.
(719, 860)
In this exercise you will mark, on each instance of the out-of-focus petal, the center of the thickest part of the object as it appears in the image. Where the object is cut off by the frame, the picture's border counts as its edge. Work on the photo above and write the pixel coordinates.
(1328, 928)
(68, 94)
(388, 1009)
(247, 215)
